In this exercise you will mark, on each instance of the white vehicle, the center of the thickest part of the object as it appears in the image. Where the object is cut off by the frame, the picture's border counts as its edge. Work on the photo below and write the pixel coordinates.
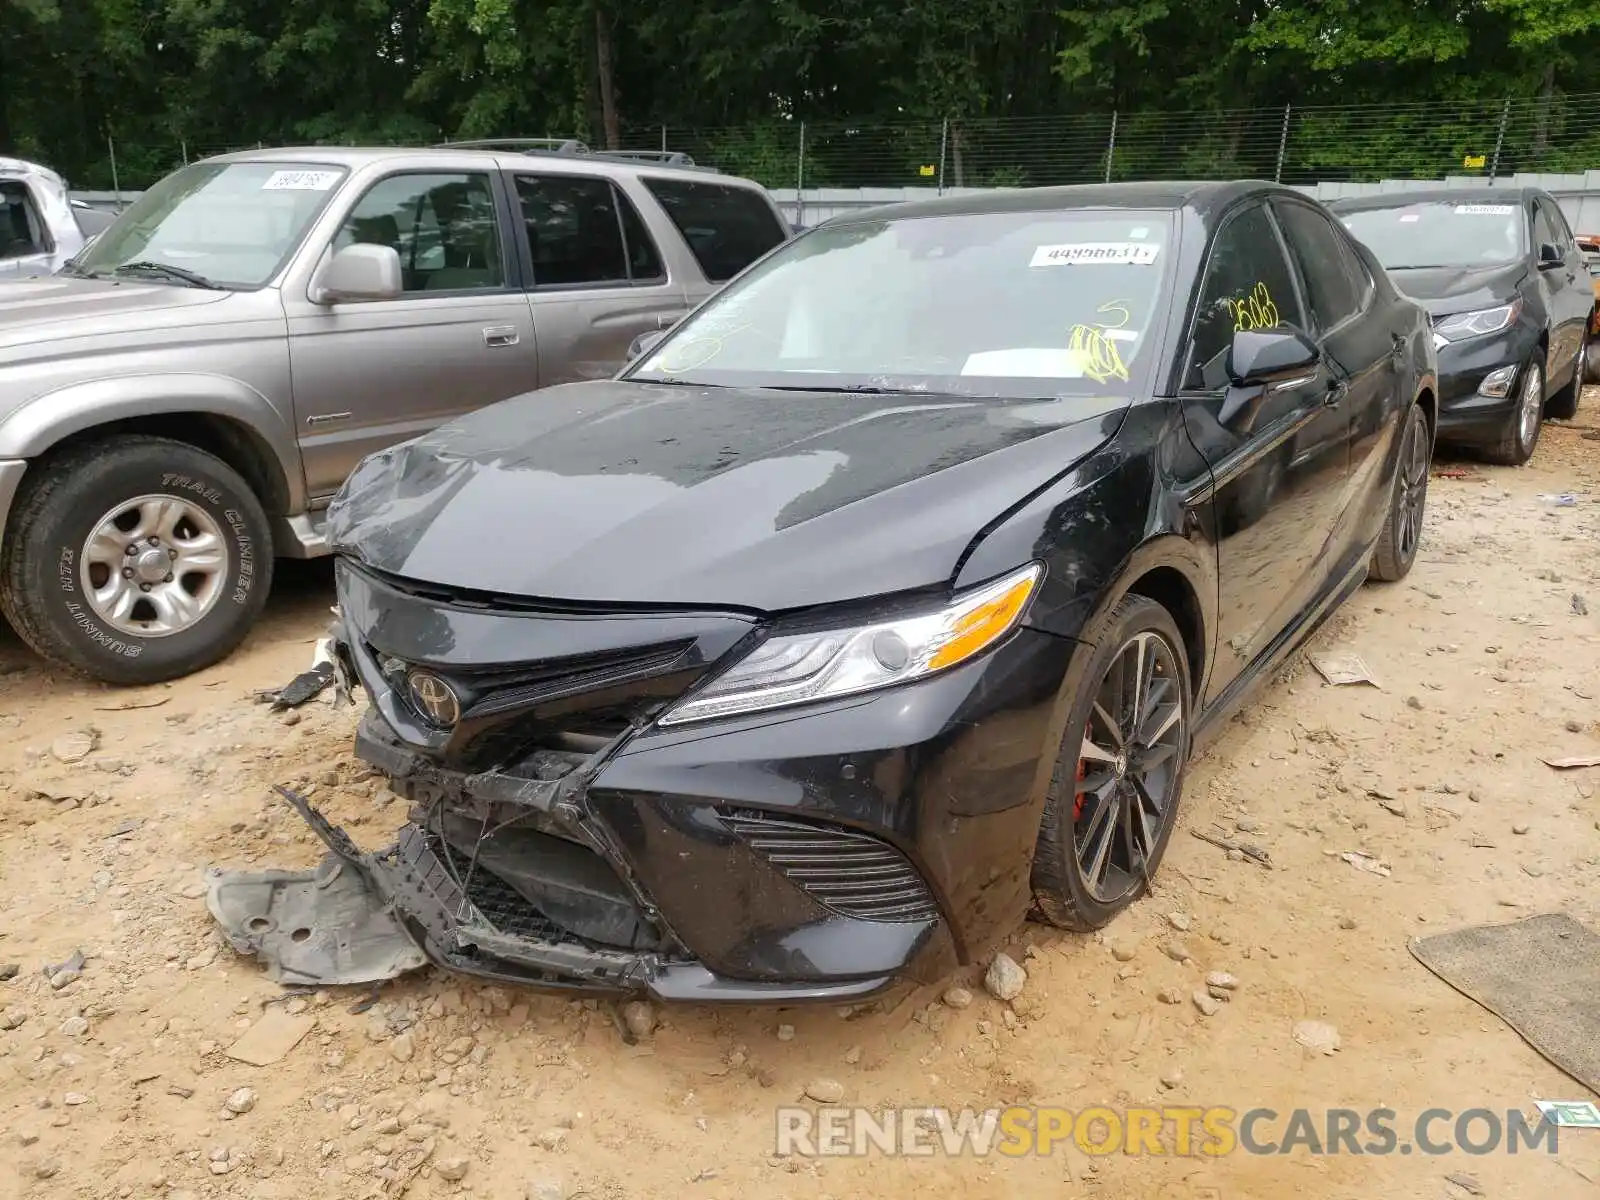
(40, 226)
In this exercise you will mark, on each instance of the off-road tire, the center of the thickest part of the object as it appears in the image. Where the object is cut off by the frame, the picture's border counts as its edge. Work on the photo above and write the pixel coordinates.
(1563, 406)
(1392, 560)
(1511, 450)
(41, 585)
(1058, 892)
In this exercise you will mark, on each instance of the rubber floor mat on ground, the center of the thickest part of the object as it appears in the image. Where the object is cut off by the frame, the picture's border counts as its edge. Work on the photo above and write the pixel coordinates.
(1541, 976)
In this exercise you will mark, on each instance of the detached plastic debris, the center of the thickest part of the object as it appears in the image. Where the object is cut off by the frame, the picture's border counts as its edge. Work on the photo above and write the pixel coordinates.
(1559, 500)
(325, 669)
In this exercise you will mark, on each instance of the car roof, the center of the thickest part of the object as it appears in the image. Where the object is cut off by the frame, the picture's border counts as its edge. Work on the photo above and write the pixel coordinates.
(1205, 196)
(1466, 195)
(356, 157)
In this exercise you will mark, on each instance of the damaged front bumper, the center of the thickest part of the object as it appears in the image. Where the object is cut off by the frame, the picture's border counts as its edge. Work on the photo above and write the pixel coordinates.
(363, 918)
(559, 837)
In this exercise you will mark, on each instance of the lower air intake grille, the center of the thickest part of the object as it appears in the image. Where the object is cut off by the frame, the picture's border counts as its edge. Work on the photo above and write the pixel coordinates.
(851, 873)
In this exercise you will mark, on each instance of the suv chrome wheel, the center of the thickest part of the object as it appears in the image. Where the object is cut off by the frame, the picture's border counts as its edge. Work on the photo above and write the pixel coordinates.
(154, 566)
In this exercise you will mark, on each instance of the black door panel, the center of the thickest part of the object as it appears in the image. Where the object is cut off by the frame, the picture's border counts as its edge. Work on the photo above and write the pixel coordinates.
(1277, 452)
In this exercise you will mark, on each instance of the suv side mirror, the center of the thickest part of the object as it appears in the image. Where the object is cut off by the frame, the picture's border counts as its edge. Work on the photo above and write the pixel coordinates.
(1550, 256)
(1267, 356)
(359, 272)
(645, 343)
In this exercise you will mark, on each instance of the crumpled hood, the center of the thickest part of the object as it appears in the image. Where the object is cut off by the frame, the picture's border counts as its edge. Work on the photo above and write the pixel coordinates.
(619, 492)
(53, 307)
(1445, 290)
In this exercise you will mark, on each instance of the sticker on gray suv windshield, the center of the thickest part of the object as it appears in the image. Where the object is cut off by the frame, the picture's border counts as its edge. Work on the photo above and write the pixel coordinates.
(1139, 254)
(1486, 210)
(300, 181)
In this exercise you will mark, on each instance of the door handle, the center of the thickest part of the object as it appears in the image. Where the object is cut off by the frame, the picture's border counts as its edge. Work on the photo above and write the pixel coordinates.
(501, 335)
(1335, 393)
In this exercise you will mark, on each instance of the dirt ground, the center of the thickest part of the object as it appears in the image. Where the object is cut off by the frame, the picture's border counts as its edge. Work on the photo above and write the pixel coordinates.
(117, 1082)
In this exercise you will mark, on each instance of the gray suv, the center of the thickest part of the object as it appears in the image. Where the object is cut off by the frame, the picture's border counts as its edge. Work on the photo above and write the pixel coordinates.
(179, 403)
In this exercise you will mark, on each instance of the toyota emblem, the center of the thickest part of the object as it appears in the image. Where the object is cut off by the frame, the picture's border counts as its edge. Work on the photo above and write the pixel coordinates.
(435, 699)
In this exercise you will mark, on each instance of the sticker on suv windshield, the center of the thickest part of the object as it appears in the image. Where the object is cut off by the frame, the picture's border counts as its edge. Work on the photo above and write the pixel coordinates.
(1139, 254)
(300, 181)
(1486, 210)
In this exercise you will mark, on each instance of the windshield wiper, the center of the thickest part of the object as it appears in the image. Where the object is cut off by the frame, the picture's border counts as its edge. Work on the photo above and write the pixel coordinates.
(856, 389)
(168, 271)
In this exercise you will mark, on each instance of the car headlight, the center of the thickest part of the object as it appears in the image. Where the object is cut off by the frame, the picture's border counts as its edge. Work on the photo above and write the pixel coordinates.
(1458, 326)
(820, 664)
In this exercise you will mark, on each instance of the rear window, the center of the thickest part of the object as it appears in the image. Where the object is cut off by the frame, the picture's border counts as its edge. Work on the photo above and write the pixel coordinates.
(727, 227)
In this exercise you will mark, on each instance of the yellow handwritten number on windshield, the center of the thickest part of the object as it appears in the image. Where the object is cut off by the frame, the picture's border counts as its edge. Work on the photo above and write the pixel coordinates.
(1096, 351)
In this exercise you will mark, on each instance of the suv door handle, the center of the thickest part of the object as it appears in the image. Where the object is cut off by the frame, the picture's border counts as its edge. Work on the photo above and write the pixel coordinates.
(1335, 393)
(501, 335)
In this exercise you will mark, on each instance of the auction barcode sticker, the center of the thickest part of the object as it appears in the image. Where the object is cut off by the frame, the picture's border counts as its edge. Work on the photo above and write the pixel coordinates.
(1486, 210)
(300, 181)
(1139, 254)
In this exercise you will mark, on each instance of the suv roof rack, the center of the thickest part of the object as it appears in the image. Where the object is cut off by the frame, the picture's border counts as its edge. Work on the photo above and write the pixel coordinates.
(574, 147)
(527, 145)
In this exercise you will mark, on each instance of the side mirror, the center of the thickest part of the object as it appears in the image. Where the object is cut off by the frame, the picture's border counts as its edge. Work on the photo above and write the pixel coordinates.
(1551, 256)
(359, 272)
(1267, 356)
(645, 343)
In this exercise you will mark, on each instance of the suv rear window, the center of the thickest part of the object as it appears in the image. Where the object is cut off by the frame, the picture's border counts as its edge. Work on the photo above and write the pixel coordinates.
(727, 227)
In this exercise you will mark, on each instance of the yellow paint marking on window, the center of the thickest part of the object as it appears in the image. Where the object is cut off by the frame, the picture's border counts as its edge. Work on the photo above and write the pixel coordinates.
(1098, 355)
(1255, 311)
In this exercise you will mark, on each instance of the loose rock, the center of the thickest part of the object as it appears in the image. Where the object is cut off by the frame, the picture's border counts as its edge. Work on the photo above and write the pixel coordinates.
(1520, 828)
(9, 971)
(1318, 1036)
(241, 1102)
(825, 1091)
(640, 1018)
(1177, 952)
(13, 1017)
(1223, 980)
(546, 1189)
(957, 997)
(1208, 1005)
(76, 746)
(1004, 980)
(1122, 952)
(1171, 1077)
(1179, 921)
(453, 1168)
(1170, 995)
(403, 1048)
(74, 1027)
(786, 1033)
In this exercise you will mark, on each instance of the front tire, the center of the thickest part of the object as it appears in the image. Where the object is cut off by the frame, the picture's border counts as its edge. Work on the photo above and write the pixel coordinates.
(1516, 445)
(135, 561)
(1113, 798)
(1402, 528)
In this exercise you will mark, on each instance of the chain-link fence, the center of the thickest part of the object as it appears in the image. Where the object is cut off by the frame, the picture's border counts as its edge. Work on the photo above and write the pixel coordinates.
(1295, 145)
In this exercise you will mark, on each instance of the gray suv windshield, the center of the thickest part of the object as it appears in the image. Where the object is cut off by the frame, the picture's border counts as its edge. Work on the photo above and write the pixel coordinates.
(221, 224)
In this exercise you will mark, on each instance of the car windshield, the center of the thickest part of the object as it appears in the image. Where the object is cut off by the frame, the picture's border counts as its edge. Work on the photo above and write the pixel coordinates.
(1441, 233)
(228, 225)
(1004, 305)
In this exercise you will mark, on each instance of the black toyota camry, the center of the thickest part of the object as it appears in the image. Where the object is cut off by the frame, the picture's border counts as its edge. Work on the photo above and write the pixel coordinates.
(877, 605)
(1511, 299)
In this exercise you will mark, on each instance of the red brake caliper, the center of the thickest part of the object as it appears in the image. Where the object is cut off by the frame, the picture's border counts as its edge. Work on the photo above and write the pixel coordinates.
(1083, 772)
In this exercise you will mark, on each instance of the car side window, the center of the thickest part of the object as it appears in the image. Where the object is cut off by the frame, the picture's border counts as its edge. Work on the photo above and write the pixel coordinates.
(1247, 286)
(1558, 223)
(727, 227)
(1334, 290)
(582, 229)
(1543, 231)
(22, 232)
(443, 227)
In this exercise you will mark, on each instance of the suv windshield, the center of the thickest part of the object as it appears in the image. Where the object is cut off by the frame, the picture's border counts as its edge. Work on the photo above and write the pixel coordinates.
(1442, 233)
(1007, 305)
(229, 225)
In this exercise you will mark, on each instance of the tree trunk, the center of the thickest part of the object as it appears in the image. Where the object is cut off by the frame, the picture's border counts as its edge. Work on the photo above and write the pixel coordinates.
(1541, 118)
(608, 87)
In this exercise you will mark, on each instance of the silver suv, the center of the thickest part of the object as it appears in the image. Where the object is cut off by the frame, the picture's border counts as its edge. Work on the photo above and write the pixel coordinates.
(178, 404)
